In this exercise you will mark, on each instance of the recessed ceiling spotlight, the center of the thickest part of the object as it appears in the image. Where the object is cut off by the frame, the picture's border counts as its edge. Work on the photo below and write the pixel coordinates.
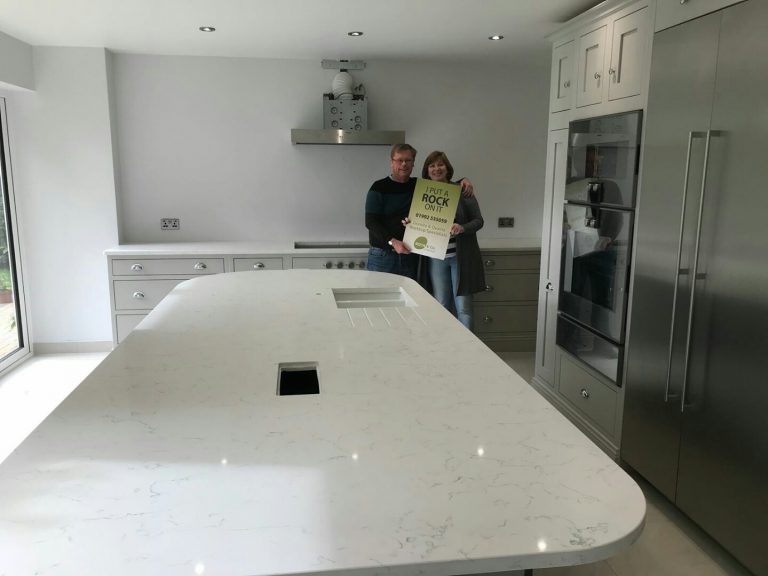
(207, 29)
(496, 37)
(355, 33)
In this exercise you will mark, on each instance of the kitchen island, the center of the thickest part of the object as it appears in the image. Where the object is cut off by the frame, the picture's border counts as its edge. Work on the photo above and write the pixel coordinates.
(422, 452)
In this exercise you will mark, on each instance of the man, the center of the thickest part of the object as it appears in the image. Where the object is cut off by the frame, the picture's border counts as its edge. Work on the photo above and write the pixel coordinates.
(386, 205)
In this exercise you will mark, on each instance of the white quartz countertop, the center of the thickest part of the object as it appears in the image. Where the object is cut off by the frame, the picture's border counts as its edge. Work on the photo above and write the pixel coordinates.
(423, 454)
(278, 248)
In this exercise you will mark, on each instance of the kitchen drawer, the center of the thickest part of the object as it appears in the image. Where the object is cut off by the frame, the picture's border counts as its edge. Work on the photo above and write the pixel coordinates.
(509, 287)
(595, 400)
(167, 266)
(514, 318)
(348, 262)
(669, 13)
(507, 261)
(141, 294)
(126, 323)
(243, 264)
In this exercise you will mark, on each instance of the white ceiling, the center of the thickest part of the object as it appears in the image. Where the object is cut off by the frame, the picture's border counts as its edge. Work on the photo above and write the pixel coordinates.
(445, 30)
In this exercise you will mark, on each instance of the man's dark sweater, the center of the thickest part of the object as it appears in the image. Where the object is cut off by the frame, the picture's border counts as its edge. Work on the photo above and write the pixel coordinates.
(386, 204)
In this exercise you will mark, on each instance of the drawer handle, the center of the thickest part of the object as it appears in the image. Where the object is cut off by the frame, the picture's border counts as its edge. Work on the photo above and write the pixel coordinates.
(258, 266)
(139, 295)
(201, 266)
(584, 393)
(487, 319)
(488, 288)
(490, 263)
(137, 267)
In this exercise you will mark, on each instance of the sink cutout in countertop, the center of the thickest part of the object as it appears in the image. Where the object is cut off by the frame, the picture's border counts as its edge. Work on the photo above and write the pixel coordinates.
(297, 378)
(372, 298)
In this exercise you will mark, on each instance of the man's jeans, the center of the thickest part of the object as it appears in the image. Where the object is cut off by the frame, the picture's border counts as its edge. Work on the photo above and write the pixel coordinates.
(380, 260)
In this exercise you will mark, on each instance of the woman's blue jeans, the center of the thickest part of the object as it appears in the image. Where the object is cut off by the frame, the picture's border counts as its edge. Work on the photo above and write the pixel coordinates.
(445, 280)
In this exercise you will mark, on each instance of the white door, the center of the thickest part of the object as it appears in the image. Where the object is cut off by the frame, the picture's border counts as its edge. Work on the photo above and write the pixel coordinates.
(591, 55)
(629, 49)
(561, 93)
(549, 279)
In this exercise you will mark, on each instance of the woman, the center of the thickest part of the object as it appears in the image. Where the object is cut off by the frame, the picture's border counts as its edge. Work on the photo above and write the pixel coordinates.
(461, 274)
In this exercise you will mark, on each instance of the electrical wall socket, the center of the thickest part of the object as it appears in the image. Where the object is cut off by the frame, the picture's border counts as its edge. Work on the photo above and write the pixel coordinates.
(169, 224)
(506, 222)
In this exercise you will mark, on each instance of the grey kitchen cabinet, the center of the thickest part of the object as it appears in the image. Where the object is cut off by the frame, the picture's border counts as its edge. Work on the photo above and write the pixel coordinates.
(505, 313)
(608, 49)
(600, 62)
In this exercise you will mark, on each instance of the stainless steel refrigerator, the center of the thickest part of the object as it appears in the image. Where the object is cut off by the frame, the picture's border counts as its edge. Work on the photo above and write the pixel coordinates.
(696, 405)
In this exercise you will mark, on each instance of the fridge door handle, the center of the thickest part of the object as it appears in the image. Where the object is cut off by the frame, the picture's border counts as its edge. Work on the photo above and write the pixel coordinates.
(695, 267)
(691, 136)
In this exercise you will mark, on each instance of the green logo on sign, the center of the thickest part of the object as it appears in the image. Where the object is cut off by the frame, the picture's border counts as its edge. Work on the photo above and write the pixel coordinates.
(420, 242)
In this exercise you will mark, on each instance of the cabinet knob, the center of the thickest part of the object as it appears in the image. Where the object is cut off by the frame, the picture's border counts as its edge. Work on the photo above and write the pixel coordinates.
(683, 1)
(490, 263)
(200, 266)
(258, 266)
(137, 267)
(597, 75)
(487, 319)
(584, 393)
(549, 287)
(567, 84)
(139, 295)
(488, 288)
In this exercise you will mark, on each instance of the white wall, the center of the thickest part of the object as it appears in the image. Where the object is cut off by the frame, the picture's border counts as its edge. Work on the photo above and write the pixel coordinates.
(64, 181)
(16, 68)
(208, 140)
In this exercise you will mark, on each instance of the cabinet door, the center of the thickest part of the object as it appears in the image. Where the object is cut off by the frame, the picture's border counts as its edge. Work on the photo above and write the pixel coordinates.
(628, 52)
(591, 55)
(561, 95)
(549, 279)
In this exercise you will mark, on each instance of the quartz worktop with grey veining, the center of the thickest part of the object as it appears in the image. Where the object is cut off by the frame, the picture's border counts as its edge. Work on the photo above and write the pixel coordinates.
(423, 453)
(305, 248)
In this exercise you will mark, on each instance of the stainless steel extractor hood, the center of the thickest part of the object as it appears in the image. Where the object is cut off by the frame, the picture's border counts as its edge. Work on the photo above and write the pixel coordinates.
(345, 113)
(330, 136)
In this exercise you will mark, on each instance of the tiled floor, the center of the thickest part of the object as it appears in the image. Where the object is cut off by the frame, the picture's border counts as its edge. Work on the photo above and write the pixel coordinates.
(670, 545)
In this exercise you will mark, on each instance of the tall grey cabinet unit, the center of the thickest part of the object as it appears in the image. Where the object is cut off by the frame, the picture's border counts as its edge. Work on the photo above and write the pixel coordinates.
(600, 63)
(696, 386)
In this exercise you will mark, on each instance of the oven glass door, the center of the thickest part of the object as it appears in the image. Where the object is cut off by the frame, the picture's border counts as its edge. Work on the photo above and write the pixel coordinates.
(603, 160)
(595, 267)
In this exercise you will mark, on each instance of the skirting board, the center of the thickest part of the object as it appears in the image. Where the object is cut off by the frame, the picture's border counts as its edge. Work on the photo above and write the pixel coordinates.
(70, 347)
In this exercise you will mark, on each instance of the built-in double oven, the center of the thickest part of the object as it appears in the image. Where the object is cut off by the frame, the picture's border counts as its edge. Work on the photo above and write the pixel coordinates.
(598, 221)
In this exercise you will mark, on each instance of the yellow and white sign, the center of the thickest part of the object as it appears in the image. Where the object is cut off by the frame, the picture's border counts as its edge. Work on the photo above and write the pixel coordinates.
(433, 209)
